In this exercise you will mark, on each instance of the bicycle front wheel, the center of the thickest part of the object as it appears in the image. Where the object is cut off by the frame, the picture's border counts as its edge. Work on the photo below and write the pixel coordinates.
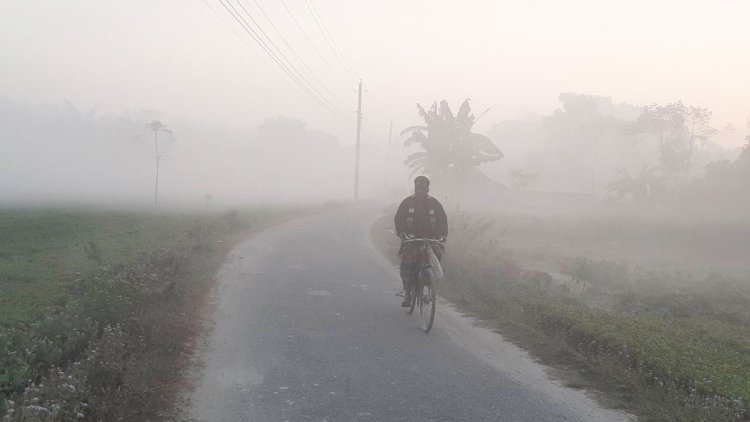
(427, 301)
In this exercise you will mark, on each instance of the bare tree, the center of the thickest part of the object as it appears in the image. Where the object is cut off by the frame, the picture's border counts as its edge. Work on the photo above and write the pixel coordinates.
(157, 126)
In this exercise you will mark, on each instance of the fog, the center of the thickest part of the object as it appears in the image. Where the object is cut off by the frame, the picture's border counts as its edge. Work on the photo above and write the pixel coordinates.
(592, 159)
(564, 87)
(58, 154)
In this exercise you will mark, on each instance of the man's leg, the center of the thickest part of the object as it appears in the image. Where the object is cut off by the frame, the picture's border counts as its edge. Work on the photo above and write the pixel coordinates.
(406, 279)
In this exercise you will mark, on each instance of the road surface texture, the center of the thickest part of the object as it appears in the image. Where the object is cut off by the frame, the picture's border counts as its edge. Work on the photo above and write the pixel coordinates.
(306, 327)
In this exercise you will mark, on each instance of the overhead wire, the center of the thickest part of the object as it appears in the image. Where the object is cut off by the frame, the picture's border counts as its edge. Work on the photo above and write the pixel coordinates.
(338, 54)
(286, 60)
(329, 40)
(294, 52)
(280, 59)
(244, 41)
(307, 37)
(255, 30)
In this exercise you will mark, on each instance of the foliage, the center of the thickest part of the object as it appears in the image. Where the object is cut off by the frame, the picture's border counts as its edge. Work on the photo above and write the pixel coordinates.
(96, 357)
(669, 335)
(520, 179)
(43, 252)
(642, 189)
(677, 128)
(111, 349)
(723, 183)
(449, 148)
(681, 353)
(93, 252)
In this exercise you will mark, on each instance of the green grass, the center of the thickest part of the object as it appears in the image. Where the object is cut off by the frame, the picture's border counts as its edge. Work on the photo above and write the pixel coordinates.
(43, 251)
(104, 307)
(712, 357)
(662, 345)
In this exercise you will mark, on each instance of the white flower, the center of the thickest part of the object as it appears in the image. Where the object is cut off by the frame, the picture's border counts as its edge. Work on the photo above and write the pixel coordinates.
(35, 408)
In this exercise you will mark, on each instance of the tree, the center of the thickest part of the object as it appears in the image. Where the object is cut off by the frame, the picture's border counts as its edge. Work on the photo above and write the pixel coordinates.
(743, 161)
(520, 179)
(156, 126)
(449, 148)
(676, 128)
(641, 188)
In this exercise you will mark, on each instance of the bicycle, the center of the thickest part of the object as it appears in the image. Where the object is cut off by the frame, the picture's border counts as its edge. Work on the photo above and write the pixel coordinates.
(423, 295)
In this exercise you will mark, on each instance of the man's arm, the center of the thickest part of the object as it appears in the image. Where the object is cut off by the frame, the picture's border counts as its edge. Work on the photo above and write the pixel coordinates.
(400, 219)
(442, 220)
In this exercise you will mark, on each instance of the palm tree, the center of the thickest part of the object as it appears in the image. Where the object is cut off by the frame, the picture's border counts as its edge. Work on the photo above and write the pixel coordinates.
(156, 126)
(520, 179)
(450, 148)
(641, 188)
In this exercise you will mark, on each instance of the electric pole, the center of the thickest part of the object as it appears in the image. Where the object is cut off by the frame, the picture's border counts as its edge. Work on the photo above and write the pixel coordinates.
(388, 159)
(359, 131)
(158, 158)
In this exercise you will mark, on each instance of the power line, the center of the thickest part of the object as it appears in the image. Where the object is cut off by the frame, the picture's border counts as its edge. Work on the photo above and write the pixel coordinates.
(249, 30)
(294, 52)
(264, 60)
(307, 37)
(288, 63)
(329, 39)
(283, 56)
(289, 70)
(334, 47)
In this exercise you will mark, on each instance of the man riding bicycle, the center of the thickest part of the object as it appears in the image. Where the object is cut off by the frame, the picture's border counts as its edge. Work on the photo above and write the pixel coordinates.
(419, 216)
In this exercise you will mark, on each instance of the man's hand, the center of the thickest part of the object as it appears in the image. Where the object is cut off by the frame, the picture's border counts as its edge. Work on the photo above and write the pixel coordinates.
(441, 239)
(406, 236)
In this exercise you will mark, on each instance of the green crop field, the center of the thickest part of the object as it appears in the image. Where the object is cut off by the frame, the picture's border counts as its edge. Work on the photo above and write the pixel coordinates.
(619, 305)
(43, 251)
(98, 309)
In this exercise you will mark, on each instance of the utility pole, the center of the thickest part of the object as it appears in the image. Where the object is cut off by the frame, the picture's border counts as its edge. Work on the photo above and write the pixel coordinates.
(158, 158)
(359, 131)
(388, 159)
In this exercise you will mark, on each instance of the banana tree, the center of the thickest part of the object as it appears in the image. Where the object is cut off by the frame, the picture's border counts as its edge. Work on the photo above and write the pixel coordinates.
(641, 188)
(449, 148)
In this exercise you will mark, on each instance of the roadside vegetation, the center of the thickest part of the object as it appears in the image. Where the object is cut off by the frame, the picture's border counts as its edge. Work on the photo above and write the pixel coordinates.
(636, 282)
(663, 340)
(99, 309)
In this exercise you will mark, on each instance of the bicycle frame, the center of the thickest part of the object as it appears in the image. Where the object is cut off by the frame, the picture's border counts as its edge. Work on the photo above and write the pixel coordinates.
(423, 289)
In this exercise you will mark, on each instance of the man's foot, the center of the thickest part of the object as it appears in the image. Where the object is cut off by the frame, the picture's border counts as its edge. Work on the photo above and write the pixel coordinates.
(407, 299)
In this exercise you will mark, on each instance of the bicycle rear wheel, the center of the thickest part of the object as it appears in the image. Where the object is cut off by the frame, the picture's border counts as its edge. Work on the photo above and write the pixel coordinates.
(413, 302)
(427, 301)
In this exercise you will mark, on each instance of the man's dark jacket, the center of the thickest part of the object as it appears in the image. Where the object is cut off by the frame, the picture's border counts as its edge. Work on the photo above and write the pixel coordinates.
(422, 217)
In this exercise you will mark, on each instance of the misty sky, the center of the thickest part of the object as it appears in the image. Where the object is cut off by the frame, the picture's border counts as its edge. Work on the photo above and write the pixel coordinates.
(178, 57)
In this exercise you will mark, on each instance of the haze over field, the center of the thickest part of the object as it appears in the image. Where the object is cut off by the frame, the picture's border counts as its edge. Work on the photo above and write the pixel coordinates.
(180, 210)
(77, 77)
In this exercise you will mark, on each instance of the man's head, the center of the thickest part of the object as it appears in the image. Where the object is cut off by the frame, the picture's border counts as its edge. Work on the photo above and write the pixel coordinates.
(421, 186)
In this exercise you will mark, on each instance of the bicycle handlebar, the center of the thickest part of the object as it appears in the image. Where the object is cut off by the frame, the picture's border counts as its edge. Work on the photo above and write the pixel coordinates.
(423, 239)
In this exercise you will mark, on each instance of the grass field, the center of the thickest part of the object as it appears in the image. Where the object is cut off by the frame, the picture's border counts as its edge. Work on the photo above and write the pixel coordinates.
(43, 251)
(661, 336)
(99, 309)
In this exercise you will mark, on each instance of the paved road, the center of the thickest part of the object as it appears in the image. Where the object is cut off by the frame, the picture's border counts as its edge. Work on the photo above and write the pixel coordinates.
(306, 327)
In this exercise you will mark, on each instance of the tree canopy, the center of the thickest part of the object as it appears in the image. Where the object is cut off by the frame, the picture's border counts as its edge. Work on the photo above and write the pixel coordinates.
(449, 147)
